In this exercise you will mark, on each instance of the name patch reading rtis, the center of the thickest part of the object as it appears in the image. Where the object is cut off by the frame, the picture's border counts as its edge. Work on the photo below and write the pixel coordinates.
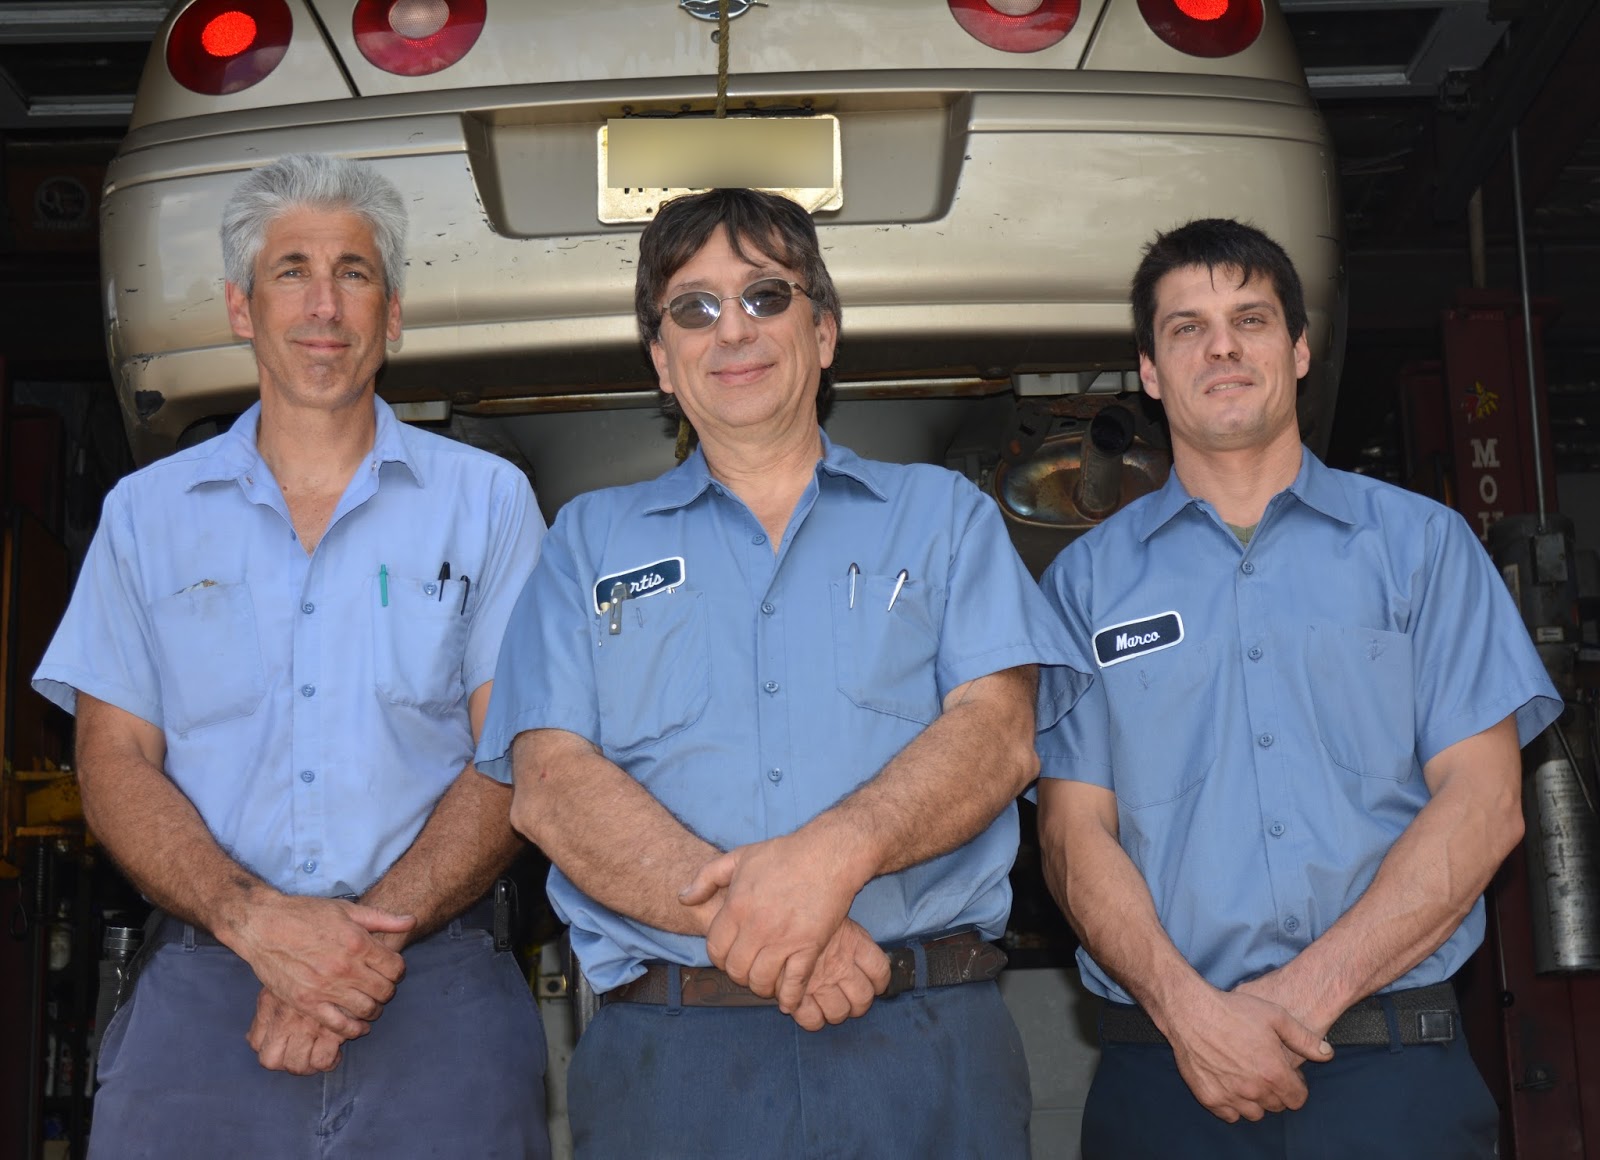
(650, 580)
(1136, 637)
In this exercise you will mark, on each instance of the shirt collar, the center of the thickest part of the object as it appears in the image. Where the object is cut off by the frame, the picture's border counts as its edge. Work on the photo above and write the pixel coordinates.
(233, 455)
(683, 484)
(1315, 485)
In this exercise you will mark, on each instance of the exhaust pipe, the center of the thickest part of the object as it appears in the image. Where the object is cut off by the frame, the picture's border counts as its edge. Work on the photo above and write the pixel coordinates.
(1099, 486)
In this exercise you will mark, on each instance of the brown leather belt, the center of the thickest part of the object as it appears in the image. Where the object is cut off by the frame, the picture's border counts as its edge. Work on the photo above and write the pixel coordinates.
(1421, 1015)
(955, 958)
(163, 928)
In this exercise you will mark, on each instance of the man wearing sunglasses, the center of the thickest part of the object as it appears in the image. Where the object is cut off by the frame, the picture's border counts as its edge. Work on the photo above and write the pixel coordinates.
(768, 714)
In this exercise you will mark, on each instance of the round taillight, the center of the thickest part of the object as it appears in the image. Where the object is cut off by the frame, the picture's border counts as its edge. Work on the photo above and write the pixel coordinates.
(1204, 27)
(416, 37)
(223, 46)
(1016, 25)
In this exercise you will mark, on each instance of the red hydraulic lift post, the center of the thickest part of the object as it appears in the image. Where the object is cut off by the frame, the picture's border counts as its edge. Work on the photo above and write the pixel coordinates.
(1532, 1059)
(1535, 1035)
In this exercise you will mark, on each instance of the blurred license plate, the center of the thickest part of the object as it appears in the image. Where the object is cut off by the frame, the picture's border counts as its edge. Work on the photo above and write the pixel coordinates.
(645, 161)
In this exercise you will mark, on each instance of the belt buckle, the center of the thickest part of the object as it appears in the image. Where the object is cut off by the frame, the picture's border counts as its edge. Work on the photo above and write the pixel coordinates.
(1436, 1026)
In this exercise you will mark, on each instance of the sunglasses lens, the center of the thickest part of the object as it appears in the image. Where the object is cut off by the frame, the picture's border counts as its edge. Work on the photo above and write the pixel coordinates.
(698, 309)
(767, 298)
(695, 310)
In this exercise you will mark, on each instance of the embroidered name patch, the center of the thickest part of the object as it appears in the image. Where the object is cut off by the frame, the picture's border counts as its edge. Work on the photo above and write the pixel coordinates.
(1137, 637)
(650, 580)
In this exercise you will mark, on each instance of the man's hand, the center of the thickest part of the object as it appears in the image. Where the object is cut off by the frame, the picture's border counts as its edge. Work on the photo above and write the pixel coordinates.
(321, 957)
(1277, 988)
(851, 973)
(1241, 1055)
(784, 904)
(285, 1040)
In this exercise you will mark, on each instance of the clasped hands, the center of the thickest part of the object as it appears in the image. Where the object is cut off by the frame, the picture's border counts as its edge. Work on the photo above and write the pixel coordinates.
(326, 967)
(782, 929)
(1241, 1051)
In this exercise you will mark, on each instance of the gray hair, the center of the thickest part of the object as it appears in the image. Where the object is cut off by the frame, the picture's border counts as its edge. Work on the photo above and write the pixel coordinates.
(312, 181)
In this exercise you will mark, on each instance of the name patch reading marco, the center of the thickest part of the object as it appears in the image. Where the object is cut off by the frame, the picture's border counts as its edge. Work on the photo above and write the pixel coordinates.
(1136, 637)
(650, 580)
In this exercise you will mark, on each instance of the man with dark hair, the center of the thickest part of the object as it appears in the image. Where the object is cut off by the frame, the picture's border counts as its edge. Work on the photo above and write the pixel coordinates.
(768, 714)
(278, 680)
(1273, 818)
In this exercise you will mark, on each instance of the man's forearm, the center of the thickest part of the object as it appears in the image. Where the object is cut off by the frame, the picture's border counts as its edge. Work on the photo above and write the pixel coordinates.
(155, 834)
(465, 844)
(606, 832)
(1426, 884)
(1109, 906)
(944, 788)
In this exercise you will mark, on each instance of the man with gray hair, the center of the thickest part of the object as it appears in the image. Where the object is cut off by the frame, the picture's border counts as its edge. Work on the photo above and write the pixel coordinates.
(279, 653)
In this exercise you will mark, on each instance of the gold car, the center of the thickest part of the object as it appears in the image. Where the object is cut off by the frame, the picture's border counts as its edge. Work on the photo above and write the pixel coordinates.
(984, 173)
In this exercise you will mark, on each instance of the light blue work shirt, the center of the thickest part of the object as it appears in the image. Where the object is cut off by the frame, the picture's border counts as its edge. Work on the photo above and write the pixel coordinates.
(748, 692)
(1264, 712)
(314, 710)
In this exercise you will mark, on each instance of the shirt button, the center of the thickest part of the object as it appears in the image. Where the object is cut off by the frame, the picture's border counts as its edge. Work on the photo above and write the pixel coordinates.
(1265, 741)
(1277, 829)
(768, 609)
(430, 588)
(758, 538)
(1291, 924)
(307, 776)
(774, 776)
(771, 686)
(1254, 653)
(308, 608)
(308, 690)
(310, 867)
(1247, 568)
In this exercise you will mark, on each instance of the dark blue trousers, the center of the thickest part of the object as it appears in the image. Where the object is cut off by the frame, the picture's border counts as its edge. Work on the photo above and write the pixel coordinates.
(453, 1067)
(920, 1076)
(1368, 1103)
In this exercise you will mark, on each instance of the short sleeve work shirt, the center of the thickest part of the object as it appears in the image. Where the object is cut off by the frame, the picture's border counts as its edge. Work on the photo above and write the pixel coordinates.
(749, 690)
(314, 706)
(1264, 712)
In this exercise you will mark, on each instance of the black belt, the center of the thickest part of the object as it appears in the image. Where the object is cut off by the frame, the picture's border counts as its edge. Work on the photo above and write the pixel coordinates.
(956, 958)
(1420, 1015)
(165, 929)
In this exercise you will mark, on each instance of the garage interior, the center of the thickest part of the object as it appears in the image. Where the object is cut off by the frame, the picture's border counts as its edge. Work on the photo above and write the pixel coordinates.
(1467, 135)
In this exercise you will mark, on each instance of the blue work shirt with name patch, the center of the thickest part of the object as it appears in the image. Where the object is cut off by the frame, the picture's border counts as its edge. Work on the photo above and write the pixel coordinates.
(753, 694)
(314, 705)
(1266, 748)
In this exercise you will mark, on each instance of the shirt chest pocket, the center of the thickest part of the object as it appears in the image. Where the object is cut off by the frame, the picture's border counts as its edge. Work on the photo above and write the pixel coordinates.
(418, 643)
(1163, 731)
(1363, 690)
(652, 676)
(209, 656)
(885, 658)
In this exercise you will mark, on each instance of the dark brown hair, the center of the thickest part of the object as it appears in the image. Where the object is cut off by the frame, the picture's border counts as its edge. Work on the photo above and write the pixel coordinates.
(1213, 243)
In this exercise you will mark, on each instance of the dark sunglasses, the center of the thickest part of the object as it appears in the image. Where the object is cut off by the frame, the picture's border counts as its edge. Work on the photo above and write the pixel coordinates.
(763, 298)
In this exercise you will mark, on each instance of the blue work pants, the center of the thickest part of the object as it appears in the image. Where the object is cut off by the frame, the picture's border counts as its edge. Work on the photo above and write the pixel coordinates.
(1423, 1102)
(453, 1067)
(924, 1075)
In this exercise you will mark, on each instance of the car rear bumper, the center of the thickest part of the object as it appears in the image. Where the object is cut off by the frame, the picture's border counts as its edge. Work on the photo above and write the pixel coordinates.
(983, 232)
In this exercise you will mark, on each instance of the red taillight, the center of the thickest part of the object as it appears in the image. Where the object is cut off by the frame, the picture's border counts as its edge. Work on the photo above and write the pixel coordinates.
(416, 37)
(1016, 25)
(1204, 27)
(222, 46)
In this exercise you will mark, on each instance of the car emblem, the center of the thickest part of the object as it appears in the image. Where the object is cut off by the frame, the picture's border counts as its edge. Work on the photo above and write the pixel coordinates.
(707, 9)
